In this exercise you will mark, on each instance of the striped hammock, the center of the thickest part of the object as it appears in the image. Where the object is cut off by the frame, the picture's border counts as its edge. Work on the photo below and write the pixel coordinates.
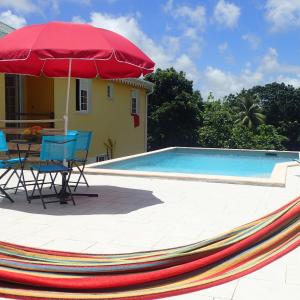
(28, 273)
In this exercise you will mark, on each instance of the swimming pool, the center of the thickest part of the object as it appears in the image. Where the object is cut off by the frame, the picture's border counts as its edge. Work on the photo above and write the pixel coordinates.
(191, 162)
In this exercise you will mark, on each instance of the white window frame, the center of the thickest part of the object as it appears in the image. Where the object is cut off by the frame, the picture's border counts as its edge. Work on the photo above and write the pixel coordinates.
(84, 86)
(110, 91)
(134, 103)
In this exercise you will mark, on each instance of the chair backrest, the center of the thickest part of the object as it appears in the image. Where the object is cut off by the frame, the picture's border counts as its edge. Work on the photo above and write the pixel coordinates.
(72, 132)
(3, 144)
(84, 139)
(58, 147)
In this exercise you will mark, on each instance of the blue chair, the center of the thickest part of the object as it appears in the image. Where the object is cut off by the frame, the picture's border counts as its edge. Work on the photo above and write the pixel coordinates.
(83, 144)
(9, 164)
(55, 151)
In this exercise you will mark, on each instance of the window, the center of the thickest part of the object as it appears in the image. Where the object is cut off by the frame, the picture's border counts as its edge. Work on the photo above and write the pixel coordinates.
(109, 91)
(134, 102)
(82, 95)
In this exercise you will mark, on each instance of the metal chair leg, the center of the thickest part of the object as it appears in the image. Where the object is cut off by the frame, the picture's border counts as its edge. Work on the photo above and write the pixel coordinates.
(70, 194)
(23, 183)
(2, 189)
(36, 178)
(81, 175)
(8, 180)
(53, 183)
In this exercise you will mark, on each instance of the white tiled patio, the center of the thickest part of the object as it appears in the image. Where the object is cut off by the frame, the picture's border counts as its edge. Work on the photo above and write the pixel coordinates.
(133, 214)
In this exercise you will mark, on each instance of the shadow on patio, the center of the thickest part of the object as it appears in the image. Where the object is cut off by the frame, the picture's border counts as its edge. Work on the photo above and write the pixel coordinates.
(111, 200)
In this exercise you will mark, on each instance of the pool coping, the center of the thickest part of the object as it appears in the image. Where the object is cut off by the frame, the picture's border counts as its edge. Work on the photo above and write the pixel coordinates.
(277, 179)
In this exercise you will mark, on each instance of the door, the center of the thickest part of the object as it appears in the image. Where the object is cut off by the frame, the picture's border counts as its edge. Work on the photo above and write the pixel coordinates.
(12, 99)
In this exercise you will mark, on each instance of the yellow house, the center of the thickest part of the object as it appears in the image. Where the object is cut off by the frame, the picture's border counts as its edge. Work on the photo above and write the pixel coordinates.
(102, 106)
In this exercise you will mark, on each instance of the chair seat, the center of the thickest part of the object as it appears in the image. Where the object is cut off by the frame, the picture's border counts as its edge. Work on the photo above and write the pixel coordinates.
(4, 163)
(50, 168)
(15, 160)
(79, 160)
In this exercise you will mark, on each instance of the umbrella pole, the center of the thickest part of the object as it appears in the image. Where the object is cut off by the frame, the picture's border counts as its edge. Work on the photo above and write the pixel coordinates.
(66, 116)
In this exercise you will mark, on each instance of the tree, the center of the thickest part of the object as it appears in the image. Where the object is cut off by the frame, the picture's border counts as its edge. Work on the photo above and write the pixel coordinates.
(220, 130)
(281, 106)
(249, 112)
(174, 110)
(267, 137)
(241, 137)
(218, 120)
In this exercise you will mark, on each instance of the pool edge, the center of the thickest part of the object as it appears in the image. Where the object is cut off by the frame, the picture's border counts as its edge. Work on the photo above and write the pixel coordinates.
(277, 179)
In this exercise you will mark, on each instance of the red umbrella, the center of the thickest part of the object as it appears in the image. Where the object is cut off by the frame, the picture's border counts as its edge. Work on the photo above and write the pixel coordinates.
(60, 49)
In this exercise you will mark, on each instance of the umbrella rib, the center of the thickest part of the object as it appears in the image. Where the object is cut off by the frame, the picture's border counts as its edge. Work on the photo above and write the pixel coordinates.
(129, 63)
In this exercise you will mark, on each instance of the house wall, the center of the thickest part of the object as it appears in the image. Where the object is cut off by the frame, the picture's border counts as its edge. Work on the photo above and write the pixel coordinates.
(106, 118)
(2, 98)
(38, 95)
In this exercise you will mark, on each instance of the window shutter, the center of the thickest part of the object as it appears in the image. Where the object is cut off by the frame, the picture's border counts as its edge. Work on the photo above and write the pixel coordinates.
(77, 95)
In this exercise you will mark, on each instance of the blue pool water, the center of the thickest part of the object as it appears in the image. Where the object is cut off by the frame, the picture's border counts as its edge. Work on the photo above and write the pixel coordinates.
(202, 161)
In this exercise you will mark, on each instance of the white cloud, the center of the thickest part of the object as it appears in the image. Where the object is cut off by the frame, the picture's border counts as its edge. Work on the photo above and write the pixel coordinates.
(191, 33)
(222, 83)
(55, 6)
(270, 62)
(20, 6)
(252, 39)
(225, 51)
(270, 69)
(227, 14)
(78, 19)
(223, 47)
(164, 53)
(185, 63)
(283, 14)
(12, 20)
(172, 44)
(294, 81)
(188, 14)
(195, 15)
(191, 21)
(168, 6)
(195, 48)
(129, 27)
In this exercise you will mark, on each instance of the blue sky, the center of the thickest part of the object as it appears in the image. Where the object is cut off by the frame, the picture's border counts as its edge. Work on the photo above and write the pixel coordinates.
(222, 45)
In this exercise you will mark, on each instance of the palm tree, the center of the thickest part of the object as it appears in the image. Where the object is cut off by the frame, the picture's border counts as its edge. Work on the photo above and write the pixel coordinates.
(248, 110)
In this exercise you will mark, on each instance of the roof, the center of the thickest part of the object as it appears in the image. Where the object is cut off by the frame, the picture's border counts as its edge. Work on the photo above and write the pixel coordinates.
(5, 29)
(137, 82)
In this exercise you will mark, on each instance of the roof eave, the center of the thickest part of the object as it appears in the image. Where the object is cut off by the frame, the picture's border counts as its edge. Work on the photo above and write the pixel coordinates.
(137, 82)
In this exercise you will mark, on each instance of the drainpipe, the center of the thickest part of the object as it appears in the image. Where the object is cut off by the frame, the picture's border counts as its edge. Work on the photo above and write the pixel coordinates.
(146, 118)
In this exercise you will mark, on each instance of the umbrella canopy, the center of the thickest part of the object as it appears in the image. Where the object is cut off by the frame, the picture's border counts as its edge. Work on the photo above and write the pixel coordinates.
(47, 49)
(59, 49)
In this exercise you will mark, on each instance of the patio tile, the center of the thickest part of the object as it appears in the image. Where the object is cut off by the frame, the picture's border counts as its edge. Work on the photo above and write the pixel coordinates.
(19, 230)
(30, 241)
(249, 289)
(221, 291)
(293, 258)
(112, 247)
(292, 275)
(274, 272)
(191, 296)
(67, 245)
